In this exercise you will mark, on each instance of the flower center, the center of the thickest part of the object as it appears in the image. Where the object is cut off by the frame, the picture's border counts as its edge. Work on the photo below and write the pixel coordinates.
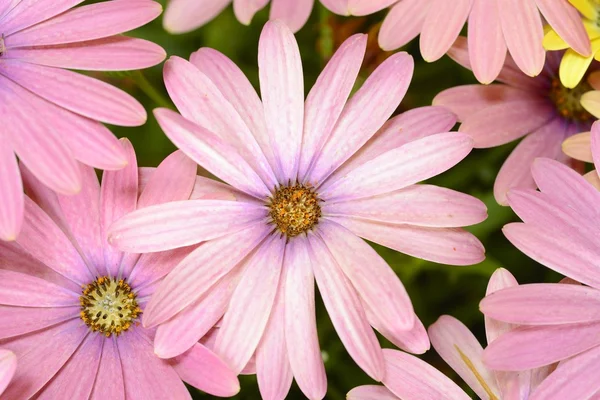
(567, 101)
(294, 209)
(108, 306)
(2, 47)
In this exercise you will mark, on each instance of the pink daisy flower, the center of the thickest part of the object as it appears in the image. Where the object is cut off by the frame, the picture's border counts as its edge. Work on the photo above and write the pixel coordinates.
(71, 305)
(579, 147)
(494, 27)
(561, 322)
(51, 116)
(309, 179)
(540, 108)
(8, 365)
(454, 342)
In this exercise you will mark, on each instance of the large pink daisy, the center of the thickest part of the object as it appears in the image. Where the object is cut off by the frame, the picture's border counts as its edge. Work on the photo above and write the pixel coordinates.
(70, 305)
(494, 26)
(541, 109)
(51, 116)
(309, 178)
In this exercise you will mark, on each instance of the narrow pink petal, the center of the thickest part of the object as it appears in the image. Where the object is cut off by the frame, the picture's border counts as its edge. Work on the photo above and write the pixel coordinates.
(366, 7)
(414, 340)
(441, 26)
(212, 153)
(401, 167)
(183, 16)
(402, 24)
(110, 370)
(17, 321)
(411, 378)
(282, 90)
(145, 269)
(458, 347)
(567, 22)
(443, 245)
(545, 345)
(6, 7)
(422, 205)
(210, 189)
(245, 10)
(93, 21)
(370, 392)
(273, 369)
(300, 321)
(202, 369)
(246, 319)
(201, 269)
(500, 279)
(328, 96)
(579, 146)
(200, 101)
(78, 93)
(346, 311)
(486, 41)
(294, 13)
(364, 114)
(162, 188)
(523, 32)
(595, 144)
(337, 6)
(11, 199)
(8, 366)
(30, 291)
(375, 282)
(29, 12)
(576, 378)
(115, 53)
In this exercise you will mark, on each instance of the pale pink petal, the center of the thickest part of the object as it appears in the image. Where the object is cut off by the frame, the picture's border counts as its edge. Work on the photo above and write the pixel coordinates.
(375, 282)
(595, 144)
(337, 6)
(29, 291)
(78, 93)
(162, 188)
(93, 21)
(328, 96)
(245, 10)
(500, 279)
(346, 311)
(422, 205)
(110, 370)
(443, 245)
(402, 24)
(567, 23)
(246, 319)
(414, 340)
(212, 153)
(579, 146)
(29, 12)
(411, 378)
(7, 6)
(545, 345)
(364, 114)
(370, 392)
(441, 26)
(17, 321)
(460, 349)
(398, 168)
(366, 7)
(202, 369)
(294, 13)
(183, 16)
(199, 271)
(210, 189)
(486, 41)
(282, 91)
(11, 199)
(300, 321)
(8, 366)
(593, 178)
(523, 32)
(145, 269)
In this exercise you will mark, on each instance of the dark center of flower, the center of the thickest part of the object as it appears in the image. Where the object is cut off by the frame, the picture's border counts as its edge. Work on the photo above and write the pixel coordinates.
(294, 209)
(109, 306)
(567, 101)
(2, 47)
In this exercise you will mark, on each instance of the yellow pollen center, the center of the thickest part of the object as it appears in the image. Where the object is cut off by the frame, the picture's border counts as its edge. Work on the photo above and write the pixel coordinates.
(567, 101)
(294, 209)
(108, 306)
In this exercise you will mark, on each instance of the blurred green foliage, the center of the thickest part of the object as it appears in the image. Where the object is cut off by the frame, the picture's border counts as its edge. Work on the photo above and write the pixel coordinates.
(435, 289)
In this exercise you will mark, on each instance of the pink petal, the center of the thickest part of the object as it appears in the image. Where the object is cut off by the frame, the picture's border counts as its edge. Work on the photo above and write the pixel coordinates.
(595, 144)
(523, 32)
(414, 340)
(211, 152)
(42, 195)
(567, 22)
(441, 26)
(162, 188)
(11, 200)
(29, 12)
(30, 291)
(145, 269)
(370, 392)
(345, 310)
(422, 205)
(337, 6)
(300, 321)
(209, 189)
(500, 279)
(579, 146)
(282, 90)
(245, 10)
(366, 7)
(294, 13)
(410, 378)
(402, 24)
(183, 16)
(246, 319)
(8, 366)
(17, 321)
(109, 371)
(202, 369)
(328, 96)
(443, 245)
(398, 168)
(364, 114)
(93, 21)
(200, 270)
(486, 41)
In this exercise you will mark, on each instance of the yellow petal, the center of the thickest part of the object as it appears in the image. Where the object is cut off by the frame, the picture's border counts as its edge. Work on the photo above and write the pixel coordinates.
(554, 42)
(586, 7)
(573, 67)
(591, 102)
(592, 177)
(579, 147)
(592, 29)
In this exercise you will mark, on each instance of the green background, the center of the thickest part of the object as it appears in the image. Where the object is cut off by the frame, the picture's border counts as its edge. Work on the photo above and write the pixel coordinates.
(435, 289)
